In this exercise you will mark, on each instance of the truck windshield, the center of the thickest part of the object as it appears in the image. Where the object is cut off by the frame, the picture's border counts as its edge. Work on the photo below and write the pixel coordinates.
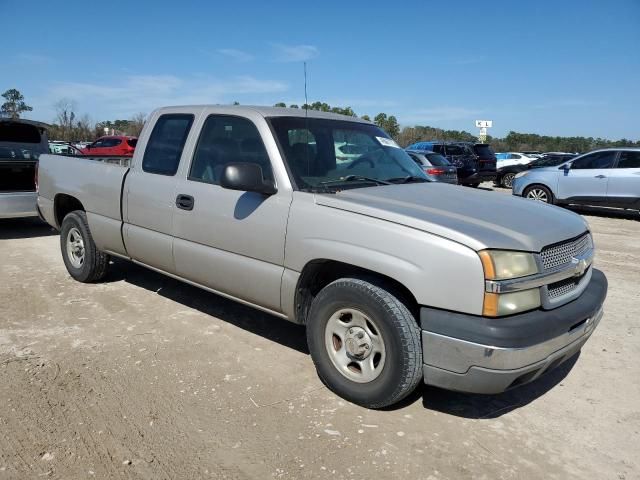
(324, 153)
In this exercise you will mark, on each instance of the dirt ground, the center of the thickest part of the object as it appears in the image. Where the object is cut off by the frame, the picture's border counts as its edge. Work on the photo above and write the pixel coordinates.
(144, 377)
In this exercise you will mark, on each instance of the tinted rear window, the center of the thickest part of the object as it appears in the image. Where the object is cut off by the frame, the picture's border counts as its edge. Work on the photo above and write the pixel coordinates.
(19, 133)
(132, 142)
(437, 160)
(629, 160)
(164, 149)
(484, 151)
(453, 150)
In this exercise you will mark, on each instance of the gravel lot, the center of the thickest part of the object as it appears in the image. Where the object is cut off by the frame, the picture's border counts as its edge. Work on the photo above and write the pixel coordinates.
(144, 377)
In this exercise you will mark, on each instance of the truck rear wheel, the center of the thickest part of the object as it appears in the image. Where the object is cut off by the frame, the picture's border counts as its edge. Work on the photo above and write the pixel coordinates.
(364, 343)
(83, 260)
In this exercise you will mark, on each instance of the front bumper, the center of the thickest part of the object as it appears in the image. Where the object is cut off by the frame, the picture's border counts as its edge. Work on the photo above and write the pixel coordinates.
(487, 355)
(18, 204)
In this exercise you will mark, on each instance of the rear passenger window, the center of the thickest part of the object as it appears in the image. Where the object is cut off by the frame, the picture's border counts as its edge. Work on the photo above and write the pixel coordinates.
(227, 139)
(629, 160)
(162, 155)
(594, 161)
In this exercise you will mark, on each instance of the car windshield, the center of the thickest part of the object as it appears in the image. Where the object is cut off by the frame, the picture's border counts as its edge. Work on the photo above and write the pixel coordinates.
(324, 153)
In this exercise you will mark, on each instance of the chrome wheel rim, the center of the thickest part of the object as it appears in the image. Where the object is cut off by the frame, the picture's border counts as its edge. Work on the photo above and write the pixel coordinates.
(355, 345)
(538, 194)
(75, 248)
(508, 180)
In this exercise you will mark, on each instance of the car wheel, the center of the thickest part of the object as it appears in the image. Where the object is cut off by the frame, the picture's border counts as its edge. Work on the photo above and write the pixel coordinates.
(539, 193)
(364, 343)
(83, 260)
(507, 180)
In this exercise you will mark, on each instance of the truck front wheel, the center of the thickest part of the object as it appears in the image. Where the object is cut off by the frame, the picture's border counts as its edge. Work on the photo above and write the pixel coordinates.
(364, 343)
(83, 260)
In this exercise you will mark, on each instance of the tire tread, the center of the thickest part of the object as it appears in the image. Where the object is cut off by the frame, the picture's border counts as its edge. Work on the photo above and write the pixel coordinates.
(405, 324)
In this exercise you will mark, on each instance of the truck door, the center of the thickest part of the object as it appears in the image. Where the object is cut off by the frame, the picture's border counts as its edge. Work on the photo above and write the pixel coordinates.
(230, 241)
(149, 193)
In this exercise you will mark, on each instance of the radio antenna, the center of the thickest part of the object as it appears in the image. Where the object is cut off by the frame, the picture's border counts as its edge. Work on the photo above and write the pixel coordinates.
(306, 101)
(306, 117)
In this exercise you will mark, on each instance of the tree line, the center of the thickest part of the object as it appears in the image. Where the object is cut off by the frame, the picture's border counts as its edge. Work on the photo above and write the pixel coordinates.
(512, 142)
(69, 126)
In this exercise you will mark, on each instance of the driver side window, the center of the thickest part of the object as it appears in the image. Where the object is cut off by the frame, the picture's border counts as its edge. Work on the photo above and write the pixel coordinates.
(594, 161)
(227, 139)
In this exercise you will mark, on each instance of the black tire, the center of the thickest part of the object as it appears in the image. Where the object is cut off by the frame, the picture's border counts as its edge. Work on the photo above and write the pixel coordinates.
(94, 262)
(400, 334)
(507, 180)
(535, 189)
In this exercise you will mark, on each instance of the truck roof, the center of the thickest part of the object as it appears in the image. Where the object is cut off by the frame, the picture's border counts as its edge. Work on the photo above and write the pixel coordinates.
(269, 111)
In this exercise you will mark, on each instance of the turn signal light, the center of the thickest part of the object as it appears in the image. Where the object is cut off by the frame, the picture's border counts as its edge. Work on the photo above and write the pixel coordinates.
(435, 171)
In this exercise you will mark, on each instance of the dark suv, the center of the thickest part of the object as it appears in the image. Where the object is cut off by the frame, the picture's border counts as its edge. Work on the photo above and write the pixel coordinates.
(476, 163)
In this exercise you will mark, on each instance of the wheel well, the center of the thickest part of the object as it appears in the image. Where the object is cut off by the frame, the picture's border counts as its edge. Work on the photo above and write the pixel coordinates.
(64, 204)
(317, 274)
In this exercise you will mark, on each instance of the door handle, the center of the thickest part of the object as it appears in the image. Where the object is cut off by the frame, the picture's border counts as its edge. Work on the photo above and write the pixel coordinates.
(184, 202)
(600, 176)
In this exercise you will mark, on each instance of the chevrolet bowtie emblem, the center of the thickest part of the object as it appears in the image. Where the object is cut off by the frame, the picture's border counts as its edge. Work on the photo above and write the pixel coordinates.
(580, 266)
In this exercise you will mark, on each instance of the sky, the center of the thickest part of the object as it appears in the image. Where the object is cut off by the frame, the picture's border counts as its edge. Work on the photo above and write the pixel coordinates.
(569, 67)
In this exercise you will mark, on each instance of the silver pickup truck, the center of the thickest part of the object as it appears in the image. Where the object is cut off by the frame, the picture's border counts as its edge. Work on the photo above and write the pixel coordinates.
(396, 278)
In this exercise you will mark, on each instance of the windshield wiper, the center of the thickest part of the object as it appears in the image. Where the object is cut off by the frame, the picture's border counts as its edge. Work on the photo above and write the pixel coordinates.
(355, 178)
(407, 179)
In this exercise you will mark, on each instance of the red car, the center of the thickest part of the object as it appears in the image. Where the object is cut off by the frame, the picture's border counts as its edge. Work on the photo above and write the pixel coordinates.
(112, 145)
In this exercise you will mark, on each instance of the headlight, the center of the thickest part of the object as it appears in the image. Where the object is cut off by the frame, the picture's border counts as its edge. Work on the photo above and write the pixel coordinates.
(521, 174)
(499, 304)
(504, 265)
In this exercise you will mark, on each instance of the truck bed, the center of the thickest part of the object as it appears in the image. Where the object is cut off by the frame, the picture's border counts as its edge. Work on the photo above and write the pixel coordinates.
(97, 184)
(17, 175)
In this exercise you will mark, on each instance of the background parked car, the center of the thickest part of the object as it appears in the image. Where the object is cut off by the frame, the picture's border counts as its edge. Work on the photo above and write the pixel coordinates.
(471, 169)
(486, 156)
(533, 153)
(112, 145)
(435, 166)
(513, 158)
(505, 175)
(63, 148)
(21, 144)
(609, 177)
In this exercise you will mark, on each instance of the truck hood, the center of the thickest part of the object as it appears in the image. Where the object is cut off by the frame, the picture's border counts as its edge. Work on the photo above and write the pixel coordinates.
(475, 218)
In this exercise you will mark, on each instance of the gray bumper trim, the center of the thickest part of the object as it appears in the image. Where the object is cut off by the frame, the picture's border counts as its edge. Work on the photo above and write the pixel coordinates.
(18, 204)
(470, 367)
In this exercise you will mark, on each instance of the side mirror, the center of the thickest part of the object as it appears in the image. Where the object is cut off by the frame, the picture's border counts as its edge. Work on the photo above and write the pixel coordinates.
(246, 177)
(566, 167)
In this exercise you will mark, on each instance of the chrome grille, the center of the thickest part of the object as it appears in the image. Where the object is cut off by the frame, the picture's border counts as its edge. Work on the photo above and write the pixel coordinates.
(561, 254)
(563, 287)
